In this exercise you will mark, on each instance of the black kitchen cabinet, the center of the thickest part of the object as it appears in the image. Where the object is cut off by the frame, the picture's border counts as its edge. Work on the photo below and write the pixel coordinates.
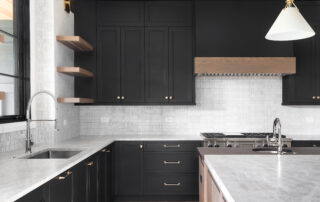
(168, 13)
(181, 79)
(303, 88)
(40, 194)
(61, 187)
(157, 70)
(80, 182)
(121, 64)
(92, 182)
(105, 180)
(109, 65)
(85, 26)
(128, 169)
(237, 29)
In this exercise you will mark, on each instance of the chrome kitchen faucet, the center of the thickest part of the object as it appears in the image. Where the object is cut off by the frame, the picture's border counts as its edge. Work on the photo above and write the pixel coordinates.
(29, 142)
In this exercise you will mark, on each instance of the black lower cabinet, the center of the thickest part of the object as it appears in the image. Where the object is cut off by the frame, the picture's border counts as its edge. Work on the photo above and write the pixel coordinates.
(92, 184)
(40, 194)
(61, 187)
(80, 182)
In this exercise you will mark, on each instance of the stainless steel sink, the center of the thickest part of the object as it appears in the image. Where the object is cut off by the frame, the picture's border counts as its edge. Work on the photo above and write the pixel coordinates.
(271, 150)
(53, 154)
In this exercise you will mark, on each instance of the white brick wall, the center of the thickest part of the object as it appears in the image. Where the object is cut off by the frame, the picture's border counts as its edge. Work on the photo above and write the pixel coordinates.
(227, 104)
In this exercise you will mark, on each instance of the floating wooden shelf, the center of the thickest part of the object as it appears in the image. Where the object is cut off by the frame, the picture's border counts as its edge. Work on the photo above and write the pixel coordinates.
(75, 42)
(74, 100)
(75, 71)
(2, 95)
(244, 65)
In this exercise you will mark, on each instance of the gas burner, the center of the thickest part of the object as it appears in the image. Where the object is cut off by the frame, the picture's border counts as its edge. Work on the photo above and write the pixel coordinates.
(213, 135)
(260, 135)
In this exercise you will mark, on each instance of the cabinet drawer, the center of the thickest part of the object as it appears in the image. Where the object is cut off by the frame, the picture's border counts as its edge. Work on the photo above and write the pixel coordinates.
(170, 161)
(162, 184)
(172, 146)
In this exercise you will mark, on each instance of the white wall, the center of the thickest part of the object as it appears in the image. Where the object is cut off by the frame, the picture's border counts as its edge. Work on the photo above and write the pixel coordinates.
(224, 104)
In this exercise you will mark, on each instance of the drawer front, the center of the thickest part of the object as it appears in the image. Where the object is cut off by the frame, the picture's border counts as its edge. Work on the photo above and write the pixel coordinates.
(162, 184)
(170, 161)
(177, 146)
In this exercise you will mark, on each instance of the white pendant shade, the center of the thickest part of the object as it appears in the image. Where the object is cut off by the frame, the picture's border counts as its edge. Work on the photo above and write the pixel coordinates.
(290, 25)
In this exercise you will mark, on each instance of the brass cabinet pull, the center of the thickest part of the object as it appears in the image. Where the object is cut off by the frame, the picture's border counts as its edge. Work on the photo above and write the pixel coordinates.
(122, 97)
(170, 97)
(172, 185)
(318, 97)
(141, 146)
(90, 163)
(171, 162)
(106, 150)
(62, 177)
(171, 146)
(166, 97)
(118, 97)
(313, 97)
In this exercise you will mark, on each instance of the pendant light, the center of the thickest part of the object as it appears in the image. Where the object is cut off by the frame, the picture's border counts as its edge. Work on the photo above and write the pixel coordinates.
(290, 25)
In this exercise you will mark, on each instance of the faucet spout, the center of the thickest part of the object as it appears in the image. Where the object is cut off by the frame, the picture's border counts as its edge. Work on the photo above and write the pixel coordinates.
(277, 130)
(29, 142)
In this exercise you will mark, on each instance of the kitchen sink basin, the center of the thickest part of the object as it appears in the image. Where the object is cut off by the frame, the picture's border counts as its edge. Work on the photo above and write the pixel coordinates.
(271, 150)
(53, 154)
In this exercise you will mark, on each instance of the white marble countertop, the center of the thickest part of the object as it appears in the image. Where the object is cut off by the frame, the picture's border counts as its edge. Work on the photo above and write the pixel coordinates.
(266, 178)
(21, 176)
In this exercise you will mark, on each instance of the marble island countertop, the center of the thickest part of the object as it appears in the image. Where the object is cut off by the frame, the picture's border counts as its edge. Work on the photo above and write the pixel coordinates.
(21, 176)
(266, 178)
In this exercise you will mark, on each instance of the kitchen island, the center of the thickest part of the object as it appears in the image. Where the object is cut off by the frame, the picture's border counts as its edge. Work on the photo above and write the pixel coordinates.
(246, 178)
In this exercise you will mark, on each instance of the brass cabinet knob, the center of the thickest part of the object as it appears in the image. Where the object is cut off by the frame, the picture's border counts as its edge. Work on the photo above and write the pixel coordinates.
(122, 97)
(141, 146)
(90, 163)
(313, 97)
(170, 97)
(118, 97)
(318, 97)
(166, 97)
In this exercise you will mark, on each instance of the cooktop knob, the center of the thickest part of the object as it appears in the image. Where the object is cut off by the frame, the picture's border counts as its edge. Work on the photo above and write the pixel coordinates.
(216, 145)
(210, 145)
(229, 145)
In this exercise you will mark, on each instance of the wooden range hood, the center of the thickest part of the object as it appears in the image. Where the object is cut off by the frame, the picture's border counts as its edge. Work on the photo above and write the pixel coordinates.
(230, 66)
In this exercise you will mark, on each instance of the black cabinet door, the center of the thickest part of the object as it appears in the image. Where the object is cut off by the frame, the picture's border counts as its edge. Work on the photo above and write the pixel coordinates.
(181, 80)
(80, 182)
(132, 64)
(109, 174)
(92, 181)
(105, 175)
(237, 29)
(61, 188)
(168, 13)
(156, 65)
(128, 168)
(40, 194)
(85, 26)
(109, 65)
(303, 88)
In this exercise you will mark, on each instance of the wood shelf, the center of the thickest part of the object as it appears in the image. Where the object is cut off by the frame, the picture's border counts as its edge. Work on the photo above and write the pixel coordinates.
(2, 95)
(75, 71)
(75, 42)
(74, 100)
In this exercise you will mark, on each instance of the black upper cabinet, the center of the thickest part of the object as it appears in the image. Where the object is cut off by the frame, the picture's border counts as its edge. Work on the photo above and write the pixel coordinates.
(132, 64)
(303, 88)
(168, 13)
(128, 168)
(109, 64)
(157, 70)
(237, 29)
(181, 79)
(120, 13)
(85, 26)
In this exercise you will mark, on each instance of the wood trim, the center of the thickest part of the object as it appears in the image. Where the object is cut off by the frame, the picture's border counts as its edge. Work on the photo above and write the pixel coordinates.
(75, 71)
(1, 38)
(2, 95)
(75, 42)
(245, 65)
(74, 100)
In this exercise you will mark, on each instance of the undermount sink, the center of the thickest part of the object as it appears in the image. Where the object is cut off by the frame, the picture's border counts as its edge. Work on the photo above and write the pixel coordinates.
(53, 154)
(271, 150)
